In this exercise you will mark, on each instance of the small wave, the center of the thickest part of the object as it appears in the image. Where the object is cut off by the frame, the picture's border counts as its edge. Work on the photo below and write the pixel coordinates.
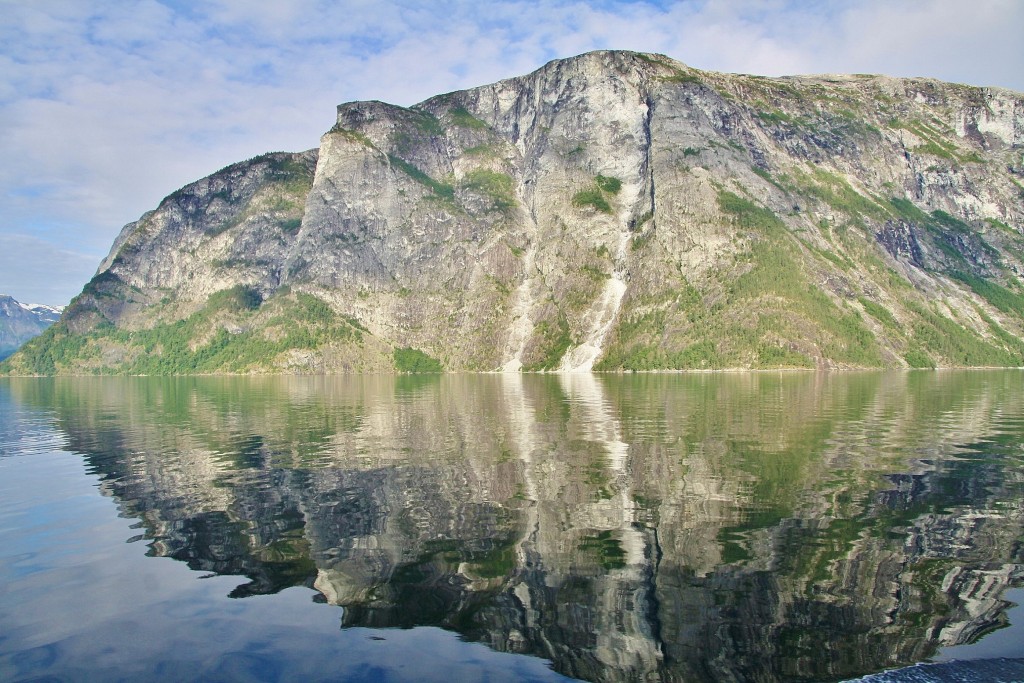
(966, 671)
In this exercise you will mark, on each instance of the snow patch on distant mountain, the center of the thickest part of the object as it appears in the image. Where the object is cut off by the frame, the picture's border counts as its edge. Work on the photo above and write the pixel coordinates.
(44, 311)
(20, 322)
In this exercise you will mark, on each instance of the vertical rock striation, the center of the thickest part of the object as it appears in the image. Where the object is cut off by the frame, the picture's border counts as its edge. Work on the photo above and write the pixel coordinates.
(615, 210)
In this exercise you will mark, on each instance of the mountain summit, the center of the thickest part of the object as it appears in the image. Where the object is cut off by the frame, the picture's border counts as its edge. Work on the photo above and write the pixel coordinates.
(611, 211)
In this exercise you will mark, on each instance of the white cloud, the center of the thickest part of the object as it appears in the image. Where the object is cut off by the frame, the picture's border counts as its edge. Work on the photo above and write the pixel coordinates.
(977, 42)
(106, 107)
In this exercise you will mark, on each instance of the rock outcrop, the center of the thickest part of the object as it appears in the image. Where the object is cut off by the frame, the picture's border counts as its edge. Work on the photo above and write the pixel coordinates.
(611, 211)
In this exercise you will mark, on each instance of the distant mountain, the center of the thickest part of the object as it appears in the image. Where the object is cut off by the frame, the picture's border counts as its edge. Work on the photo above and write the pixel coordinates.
(612, 211)
(20, 322)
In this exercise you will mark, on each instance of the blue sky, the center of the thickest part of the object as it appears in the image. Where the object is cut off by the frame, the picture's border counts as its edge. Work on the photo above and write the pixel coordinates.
(108, 106)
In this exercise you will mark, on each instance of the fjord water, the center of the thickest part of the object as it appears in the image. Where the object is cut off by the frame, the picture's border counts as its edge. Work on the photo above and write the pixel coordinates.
(762, 526)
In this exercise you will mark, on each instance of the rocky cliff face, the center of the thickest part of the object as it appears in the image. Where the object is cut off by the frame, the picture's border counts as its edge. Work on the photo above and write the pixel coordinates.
(611, 211)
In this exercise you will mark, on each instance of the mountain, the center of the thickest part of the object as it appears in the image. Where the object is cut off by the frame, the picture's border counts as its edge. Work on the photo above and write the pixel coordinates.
(20, 322)
(611, 211)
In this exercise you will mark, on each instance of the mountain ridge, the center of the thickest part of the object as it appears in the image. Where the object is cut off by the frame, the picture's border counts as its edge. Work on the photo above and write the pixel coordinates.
(20, 322)
(615, 211)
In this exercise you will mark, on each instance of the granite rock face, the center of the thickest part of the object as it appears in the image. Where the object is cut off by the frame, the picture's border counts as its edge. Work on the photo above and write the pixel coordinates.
(615, 210)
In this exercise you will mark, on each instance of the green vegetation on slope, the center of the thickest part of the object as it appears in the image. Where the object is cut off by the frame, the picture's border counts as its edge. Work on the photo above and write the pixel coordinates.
(234, 332)
(596, 197)
(769, 316)
(1000, 297)
(499, 188)
(461, 117)
(768, 311)
(554, 340)
(608, 184)
(442, 190)
(415, 361)
(951, 340)
(592, 197)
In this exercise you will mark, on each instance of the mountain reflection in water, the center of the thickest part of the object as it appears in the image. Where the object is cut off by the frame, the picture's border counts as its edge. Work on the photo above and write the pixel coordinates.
(677, 527)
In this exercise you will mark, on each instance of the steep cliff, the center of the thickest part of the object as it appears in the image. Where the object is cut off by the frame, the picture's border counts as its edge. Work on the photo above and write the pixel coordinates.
(611, 211)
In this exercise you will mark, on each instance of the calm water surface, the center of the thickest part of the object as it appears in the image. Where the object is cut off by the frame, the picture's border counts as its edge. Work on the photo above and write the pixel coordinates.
(732, 527)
